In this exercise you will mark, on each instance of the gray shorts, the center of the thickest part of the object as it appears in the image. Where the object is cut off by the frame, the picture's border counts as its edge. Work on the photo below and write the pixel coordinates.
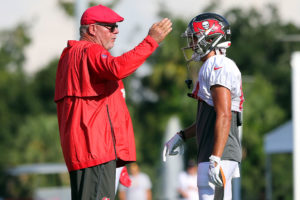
(94, 183)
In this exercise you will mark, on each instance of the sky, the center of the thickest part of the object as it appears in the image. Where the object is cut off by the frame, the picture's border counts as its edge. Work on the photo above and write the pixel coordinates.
(51, 27)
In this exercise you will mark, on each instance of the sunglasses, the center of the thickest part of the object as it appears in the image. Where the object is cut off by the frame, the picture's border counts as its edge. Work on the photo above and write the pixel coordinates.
(110, 27)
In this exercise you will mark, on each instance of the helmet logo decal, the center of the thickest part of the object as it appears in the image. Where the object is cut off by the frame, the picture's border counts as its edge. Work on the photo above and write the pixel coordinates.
(204, 25)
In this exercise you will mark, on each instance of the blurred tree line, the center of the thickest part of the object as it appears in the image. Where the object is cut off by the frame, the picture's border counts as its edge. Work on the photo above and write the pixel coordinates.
(28, 124)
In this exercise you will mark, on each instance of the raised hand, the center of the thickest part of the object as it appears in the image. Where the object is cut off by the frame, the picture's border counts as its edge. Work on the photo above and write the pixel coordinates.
(160, 30)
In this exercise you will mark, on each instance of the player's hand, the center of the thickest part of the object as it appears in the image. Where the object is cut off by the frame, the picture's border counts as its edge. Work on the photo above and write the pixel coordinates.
(215, 172)
(160, 30)
(170, 147)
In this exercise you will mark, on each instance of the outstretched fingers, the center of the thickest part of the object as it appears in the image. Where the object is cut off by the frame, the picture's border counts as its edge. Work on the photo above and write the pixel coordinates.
(160, 30)
(166, 25)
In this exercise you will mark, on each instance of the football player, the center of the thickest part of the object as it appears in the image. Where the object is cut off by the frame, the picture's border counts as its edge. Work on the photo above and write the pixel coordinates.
(218, 91)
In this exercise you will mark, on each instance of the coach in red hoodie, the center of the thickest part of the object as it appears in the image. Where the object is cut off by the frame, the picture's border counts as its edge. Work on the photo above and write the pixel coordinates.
(94, 123)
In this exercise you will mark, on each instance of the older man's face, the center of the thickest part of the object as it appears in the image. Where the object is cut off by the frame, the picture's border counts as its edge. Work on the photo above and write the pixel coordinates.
(106, 36)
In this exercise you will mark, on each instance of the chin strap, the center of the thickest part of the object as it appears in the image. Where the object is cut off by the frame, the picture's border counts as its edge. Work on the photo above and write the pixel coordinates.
(188, 81)
(196, 58)
(220, 51)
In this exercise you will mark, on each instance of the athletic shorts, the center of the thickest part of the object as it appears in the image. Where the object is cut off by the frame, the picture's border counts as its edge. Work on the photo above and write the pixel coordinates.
(207, 190)
(94, 183)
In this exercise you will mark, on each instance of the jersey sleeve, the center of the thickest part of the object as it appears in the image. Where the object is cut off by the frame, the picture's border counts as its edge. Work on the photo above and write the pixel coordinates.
(115, 68)
(222, 74)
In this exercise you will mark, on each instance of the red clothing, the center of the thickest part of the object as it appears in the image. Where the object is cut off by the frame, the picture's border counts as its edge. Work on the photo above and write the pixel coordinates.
(94, 123)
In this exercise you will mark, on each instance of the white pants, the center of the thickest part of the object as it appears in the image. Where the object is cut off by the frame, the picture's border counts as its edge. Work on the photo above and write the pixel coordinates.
(118, 173)
(207, 190)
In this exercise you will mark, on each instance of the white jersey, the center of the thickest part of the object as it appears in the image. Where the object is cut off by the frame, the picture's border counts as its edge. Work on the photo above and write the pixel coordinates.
(220, 70)
(188, 183)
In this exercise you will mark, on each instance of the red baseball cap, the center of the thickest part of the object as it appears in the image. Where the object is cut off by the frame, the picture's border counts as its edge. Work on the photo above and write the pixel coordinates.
(100, 14)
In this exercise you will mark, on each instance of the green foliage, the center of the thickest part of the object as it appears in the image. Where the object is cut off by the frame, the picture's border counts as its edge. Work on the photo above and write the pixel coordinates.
(282, 183)
(261, 114)
(28, 123)
(11, 48)
(258, 49)
(43, 85)
(44, 128)
(37, 141)
(68, 7)
(16, 100)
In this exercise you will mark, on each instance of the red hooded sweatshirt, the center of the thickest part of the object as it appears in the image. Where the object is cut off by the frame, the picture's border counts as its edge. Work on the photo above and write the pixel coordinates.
(94, 123)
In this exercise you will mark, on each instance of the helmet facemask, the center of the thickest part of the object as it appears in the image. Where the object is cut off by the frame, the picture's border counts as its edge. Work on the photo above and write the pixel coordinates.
(198, 44)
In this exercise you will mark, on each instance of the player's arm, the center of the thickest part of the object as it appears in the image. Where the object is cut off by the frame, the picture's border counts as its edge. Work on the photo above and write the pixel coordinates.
(149, 194)
(222, 104)
(189, 132)
(122, 195)
(116, 68)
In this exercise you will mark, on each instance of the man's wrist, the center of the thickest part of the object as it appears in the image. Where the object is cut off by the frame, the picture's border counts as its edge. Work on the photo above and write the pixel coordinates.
(215, 159)
(181, 134)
